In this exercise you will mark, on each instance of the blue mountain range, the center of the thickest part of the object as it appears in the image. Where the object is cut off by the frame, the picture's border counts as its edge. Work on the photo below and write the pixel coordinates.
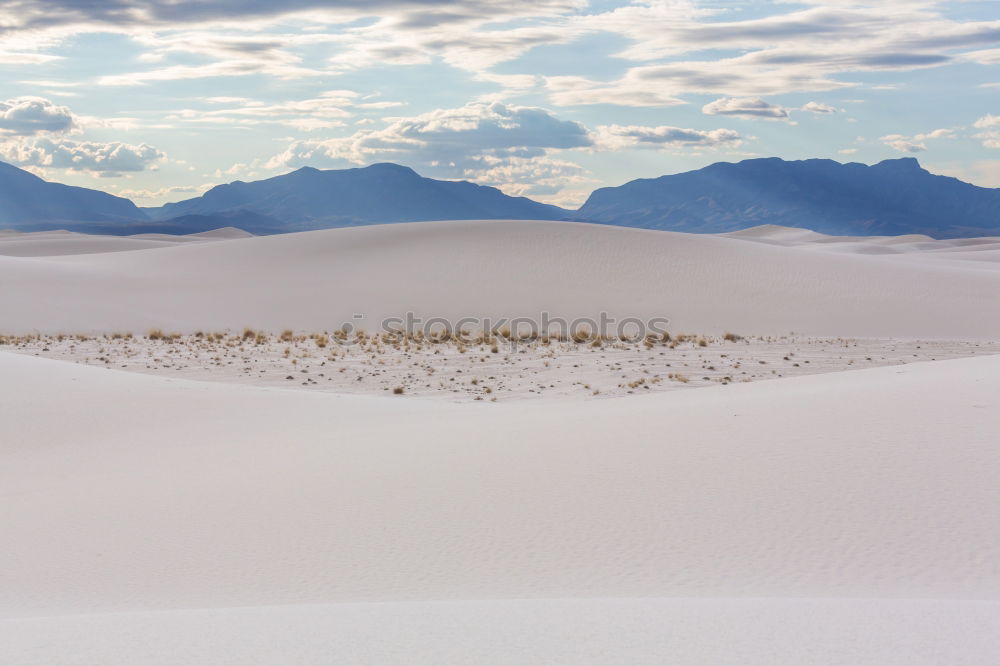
(889, 198)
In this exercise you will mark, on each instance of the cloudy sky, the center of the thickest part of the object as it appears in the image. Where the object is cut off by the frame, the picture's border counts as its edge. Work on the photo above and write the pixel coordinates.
(159, 99)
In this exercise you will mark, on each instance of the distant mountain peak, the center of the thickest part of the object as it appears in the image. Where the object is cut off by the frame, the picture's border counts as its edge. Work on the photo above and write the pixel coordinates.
(893, 197)
(310, 198)
(30, 203)
(901, 163)
(392, 167)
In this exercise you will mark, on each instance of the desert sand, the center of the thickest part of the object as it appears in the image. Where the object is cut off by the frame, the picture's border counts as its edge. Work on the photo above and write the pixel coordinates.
(840, 511)
(833, 519)
(318, 280)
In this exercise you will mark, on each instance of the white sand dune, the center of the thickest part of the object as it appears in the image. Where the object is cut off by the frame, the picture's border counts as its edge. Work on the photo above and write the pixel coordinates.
(834, 519)
(61, 243)
(914, 246)
(319, 280)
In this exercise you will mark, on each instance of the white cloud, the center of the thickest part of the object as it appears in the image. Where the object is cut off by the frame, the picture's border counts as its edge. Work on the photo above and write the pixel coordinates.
(989, 120)
(163, 192)
(990, 139)
(745, 107)
(447, 136)
(28, 116)
(578, 90)
(902, 143)
(942, 133)
(916, 143)
(618, 137)
(104, 159)
(816, 107)
(328, 110)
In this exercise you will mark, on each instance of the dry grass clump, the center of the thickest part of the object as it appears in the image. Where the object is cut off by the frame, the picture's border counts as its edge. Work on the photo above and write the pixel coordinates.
(155, 334)
(732, 337)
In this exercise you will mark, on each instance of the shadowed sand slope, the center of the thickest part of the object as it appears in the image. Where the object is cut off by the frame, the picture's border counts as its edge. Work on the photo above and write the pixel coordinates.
(148, 494)
(319, 280)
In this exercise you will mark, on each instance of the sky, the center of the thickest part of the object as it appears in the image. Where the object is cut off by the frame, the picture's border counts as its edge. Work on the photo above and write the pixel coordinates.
(159, 100)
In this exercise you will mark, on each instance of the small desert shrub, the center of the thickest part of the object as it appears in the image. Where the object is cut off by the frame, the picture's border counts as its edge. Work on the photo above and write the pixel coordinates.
(398, 390)
(287, 335)
(155, 334)
(732, 337)
(249, 334)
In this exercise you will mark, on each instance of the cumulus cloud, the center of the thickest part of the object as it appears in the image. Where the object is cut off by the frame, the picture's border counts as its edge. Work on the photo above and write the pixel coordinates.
(103, 159)
(745, 107)
(989, 120)
(617, 137)
(990, 139)
(902, 144)
(28, 116)
(453, 137)
(816, 107)
(916, 143)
